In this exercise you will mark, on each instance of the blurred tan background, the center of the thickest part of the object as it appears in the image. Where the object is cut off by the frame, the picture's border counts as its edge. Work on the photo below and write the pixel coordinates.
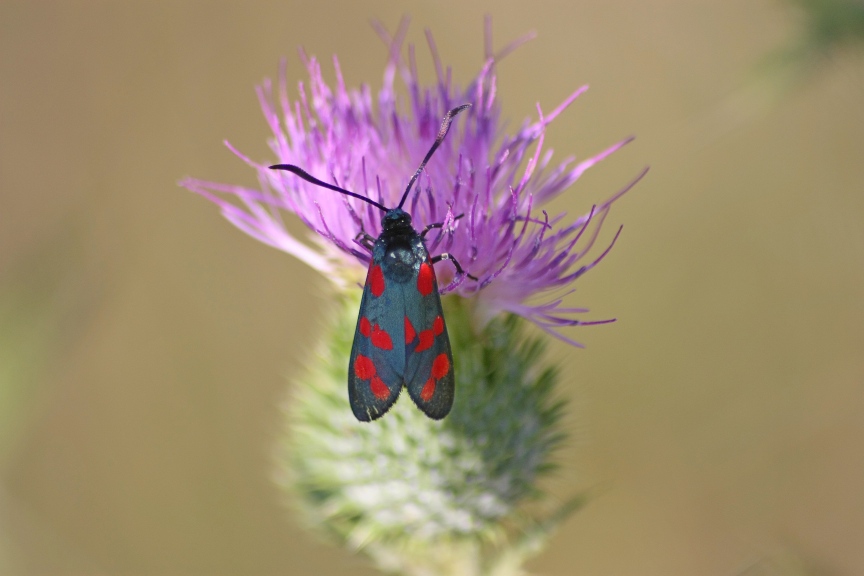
(145, 344)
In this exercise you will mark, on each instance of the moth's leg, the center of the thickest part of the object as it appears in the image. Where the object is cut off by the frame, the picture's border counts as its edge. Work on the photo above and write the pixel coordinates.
(365, 240)
(459, 270)
(437, 225)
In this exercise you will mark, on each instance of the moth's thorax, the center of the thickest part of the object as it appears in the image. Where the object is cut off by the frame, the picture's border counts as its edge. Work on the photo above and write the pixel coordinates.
(399, 250)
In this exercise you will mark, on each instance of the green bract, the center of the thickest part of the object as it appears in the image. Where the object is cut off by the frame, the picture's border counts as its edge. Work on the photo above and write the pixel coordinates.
(422, 496)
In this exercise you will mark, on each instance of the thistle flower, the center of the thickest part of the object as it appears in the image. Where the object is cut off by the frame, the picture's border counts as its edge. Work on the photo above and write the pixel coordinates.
(421, 496)
(523, 257)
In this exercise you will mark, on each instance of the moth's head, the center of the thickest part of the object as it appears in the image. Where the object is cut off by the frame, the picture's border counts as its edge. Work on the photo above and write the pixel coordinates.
(395, 220)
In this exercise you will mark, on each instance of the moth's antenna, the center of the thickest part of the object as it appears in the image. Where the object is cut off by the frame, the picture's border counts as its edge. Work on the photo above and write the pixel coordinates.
(309, 178)
(445, 127)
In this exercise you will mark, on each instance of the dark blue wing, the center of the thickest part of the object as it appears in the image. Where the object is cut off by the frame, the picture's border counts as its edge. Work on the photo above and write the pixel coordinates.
(428, 359)
(377, 364)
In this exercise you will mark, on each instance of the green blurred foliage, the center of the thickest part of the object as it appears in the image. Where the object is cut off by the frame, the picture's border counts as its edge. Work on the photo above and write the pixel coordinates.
(830, 24)
(46, 302)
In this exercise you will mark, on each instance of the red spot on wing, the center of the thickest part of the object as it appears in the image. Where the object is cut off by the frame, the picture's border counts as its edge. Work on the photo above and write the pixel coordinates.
(427, 338)
(438, 325)
(365, 327)
(409, 331)
(381, 339)
(375, 280)
(428, 390)
(425, 279)
(440, 366)
(379, 389)
(363, 367)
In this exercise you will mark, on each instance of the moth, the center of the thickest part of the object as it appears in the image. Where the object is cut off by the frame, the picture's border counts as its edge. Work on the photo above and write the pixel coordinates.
(401, 337)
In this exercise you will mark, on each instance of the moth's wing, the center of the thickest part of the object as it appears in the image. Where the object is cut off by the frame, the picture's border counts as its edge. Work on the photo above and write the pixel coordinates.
(377, 364)
(428, 359)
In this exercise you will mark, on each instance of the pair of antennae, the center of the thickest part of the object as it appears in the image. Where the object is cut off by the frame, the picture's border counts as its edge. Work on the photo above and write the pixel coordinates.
(442, 132)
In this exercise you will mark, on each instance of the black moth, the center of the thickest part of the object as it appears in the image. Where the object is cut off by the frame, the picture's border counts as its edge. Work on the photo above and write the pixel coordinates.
(401, 338)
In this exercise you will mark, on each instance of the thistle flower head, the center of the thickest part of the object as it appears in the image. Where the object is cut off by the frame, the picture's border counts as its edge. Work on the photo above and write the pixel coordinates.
(485, 186)
(422, 496)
